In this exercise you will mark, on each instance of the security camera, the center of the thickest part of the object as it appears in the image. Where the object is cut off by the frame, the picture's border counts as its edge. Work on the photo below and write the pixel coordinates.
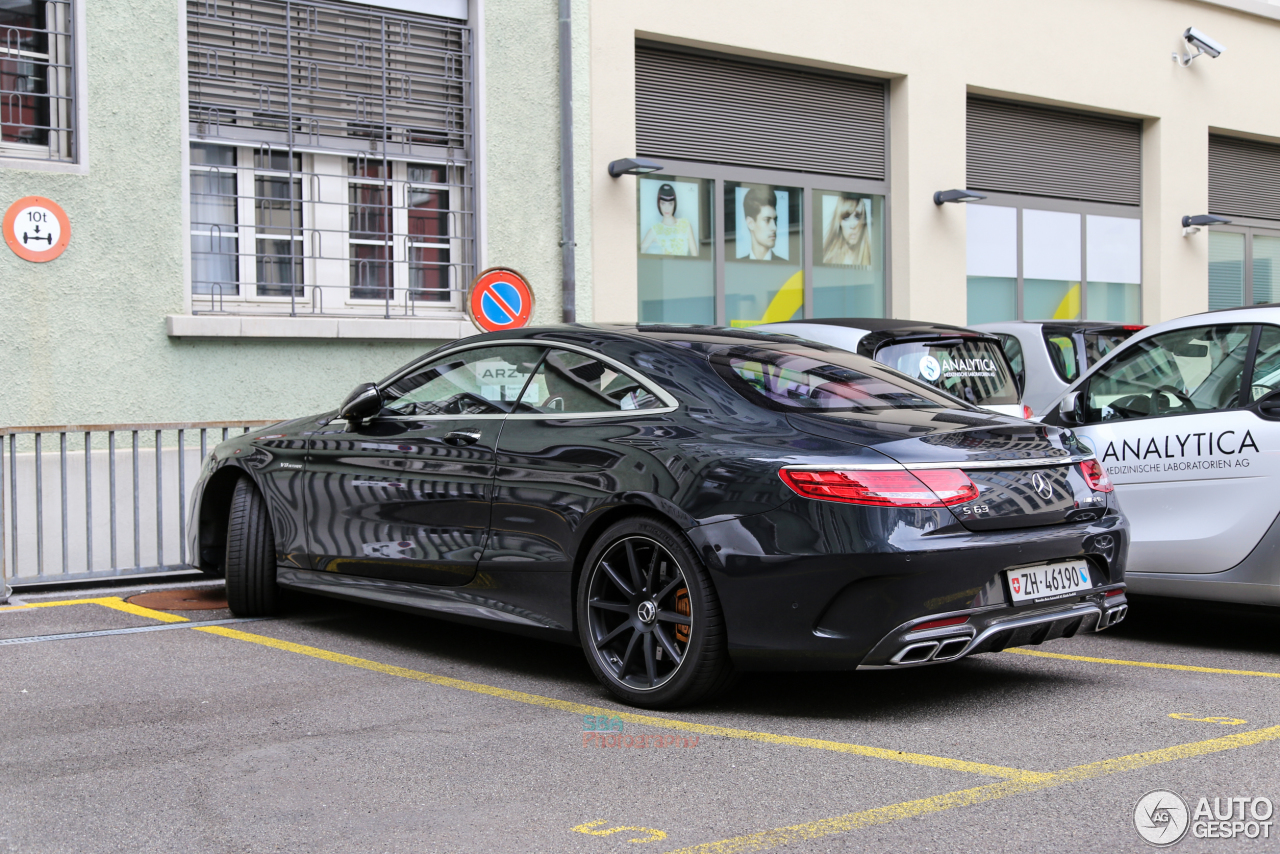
(1203, 45)
(1195, 38)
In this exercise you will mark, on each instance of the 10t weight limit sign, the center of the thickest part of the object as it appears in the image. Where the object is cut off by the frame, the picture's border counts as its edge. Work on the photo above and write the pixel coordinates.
(36, 229)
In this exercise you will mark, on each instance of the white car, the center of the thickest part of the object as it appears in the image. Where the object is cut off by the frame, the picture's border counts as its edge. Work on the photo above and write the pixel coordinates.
(1047, 356)
(970, 365)
(1185, 418)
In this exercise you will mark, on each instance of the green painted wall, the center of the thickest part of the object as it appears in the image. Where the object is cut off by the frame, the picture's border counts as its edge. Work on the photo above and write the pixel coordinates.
(523, 146)
(83, 339)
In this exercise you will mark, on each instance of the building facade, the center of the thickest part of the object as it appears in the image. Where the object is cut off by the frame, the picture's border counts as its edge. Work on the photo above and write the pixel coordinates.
(273, 200)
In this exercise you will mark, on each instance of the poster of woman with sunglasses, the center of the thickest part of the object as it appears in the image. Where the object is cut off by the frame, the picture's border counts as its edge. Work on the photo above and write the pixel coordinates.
(847, 226)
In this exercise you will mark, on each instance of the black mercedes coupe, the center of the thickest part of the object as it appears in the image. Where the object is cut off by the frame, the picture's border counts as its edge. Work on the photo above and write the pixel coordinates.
(684, 502)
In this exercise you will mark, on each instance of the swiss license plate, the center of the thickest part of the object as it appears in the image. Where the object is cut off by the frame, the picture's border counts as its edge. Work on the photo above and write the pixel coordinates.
(1048, 581)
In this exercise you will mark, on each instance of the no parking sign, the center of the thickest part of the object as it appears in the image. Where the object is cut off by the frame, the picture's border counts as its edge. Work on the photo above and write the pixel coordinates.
(500, 298)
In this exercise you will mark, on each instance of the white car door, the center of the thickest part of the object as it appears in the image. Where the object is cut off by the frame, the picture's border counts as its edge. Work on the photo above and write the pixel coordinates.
(1194, 466)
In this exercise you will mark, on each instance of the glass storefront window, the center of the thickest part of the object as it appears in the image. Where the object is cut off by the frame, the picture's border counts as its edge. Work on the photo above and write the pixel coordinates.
(991, 265)
(1050, 265)
(676, 251)
(764, 267)
(1244, 266)
(1226, 269)
(1026, 263)
(713, 247)
(1114, 248)
(1266, 269)
(848, 255)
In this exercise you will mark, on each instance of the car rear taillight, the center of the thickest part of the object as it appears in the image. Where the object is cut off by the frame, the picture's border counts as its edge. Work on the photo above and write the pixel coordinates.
(1026, 412)
(1096, 476)
(929, 488)
(938, 624)
(1111, 593)
(1132, 328)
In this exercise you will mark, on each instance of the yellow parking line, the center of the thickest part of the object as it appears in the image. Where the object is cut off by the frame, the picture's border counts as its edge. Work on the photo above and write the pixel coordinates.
(1194, 669)
(630, 717)
(118, 604)
(769, 839)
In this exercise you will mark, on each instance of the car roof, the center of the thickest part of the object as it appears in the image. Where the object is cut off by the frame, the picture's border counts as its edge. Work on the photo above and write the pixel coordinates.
(660, 333)
(1064, 324)
(885, 324)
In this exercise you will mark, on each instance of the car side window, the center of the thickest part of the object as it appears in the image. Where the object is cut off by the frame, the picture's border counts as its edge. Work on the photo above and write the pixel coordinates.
(1178, 373)
(481, 381)
(1013, 352)
(1062, 353)
(571, 382)
(1266, 367)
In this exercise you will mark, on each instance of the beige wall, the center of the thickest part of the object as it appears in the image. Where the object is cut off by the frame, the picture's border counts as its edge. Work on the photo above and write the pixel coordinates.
(1108, 56)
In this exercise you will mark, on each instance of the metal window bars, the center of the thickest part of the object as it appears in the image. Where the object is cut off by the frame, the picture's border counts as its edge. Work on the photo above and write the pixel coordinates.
(367, 116)
(37, 81)
(106, 516)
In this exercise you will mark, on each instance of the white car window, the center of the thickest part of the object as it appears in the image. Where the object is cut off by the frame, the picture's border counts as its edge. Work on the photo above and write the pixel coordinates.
(1177, 373)
(1266, 368)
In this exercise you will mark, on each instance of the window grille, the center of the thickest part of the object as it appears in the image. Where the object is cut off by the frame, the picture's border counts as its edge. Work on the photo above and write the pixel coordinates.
(37, 81)
(344, 137)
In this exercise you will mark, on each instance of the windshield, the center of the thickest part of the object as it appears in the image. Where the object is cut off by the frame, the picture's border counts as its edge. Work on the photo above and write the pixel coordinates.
(973, 369)
(805, 380)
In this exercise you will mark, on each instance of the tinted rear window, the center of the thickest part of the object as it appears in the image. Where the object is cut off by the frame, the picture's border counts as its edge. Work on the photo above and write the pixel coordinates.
(804, 380)
(972, 369)
(1100, 343)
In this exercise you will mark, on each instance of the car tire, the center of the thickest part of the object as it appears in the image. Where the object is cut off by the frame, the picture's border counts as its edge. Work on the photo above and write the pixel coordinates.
(632, 647)
(251, 555)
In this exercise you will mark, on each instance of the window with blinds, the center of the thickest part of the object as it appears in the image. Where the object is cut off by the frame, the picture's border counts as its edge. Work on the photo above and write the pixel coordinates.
(331, 158)
(1244, 178)
(1016, 148)
(717, 110)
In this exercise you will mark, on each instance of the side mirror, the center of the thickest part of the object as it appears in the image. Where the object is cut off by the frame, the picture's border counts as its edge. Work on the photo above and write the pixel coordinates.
(1269, 405)
(364, 402)
(1069, 409)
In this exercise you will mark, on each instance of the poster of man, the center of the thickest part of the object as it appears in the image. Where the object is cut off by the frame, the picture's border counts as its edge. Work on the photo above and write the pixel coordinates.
(762, 215)
(669, 217)
(847, 229)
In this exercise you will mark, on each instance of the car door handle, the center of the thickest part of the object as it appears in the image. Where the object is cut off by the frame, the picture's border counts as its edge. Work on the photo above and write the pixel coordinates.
(459, 438)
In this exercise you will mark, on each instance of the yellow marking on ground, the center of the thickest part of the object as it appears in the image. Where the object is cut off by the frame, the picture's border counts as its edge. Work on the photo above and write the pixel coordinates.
(654, 835)
(630, 717)
(14, 607)
(1184, 716)
(1190, 667)
(118, 604)
(768, 839)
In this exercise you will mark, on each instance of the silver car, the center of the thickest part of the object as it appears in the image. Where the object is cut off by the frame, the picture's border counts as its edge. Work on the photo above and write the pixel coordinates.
(967, 364)
(1049, 355)
(1185, 418)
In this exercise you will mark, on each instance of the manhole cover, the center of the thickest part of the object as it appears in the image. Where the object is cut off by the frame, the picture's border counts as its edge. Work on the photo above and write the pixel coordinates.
(198, 599)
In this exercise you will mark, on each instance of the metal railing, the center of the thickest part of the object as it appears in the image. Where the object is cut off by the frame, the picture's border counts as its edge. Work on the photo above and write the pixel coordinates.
(99, 500)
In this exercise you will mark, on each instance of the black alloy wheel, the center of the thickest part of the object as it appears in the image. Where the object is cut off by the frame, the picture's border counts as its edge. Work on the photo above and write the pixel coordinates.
(649, 618)
(251, 555)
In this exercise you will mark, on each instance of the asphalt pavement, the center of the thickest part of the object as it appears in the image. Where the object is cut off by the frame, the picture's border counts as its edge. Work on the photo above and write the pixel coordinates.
(340, 727)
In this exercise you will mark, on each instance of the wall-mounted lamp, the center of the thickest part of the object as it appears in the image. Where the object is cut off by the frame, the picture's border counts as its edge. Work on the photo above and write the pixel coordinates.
(633, 166)
(943, 196)
(1191, 224)
(1203, 45)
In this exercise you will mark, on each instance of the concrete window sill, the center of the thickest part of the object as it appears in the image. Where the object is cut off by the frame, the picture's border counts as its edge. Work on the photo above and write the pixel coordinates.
(362, 328)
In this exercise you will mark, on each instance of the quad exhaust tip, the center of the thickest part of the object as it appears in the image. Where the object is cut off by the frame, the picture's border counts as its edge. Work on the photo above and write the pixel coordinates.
(932, 650)
(1115, 615)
